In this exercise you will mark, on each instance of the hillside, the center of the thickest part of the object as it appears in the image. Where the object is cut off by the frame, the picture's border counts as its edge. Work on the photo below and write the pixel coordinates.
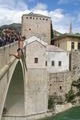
(17, 27)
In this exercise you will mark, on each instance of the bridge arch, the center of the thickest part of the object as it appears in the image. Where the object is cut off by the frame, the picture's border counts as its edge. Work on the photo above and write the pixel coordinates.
(5, 79)
(14, 102)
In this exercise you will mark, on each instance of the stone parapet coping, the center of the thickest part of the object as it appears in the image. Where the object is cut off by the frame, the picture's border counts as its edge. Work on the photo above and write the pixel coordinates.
(6, 67)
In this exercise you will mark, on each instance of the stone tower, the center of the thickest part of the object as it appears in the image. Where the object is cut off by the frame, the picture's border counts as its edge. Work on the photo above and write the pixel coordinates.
(36, 25)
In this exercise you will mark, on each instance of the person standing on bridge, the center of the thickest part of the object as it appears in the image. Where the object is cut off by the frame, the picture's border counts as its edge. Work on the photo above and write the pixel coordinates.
(19, 53)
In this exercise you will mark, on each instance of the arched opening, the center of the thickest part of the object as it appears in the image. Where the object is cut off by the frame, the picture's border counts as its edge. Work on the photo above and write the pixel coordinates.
(14, 104)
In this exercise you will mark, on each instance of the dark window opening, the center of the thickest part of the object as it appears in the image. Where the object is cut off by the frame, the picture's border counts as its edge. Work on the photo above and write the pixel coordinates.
(30, 17)
(50, 84)
(46, 63)
(59, 63)
(29, 28)
(72, 45)
(60, 87)
(79, 46)
(52, 63)
(26, 17)
(35, 60)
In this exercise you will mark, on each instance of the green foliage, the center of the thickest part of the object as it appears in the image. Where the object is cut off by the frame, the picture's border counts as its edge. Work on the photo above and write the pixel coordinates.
(70, 96)
(51, 102)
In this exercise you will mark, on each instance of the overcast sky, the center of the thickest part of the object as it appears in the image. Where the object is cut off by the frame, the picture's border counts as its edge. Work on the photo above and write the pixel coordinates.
(62, 12)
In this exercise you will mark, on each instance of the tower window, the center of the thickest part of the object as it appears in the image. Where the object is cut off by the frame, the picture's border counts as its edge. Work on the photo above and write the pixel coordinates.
(59, 63)
(46, 19)
(36, 18)
(52, 63)
(43, 19)
(60, 87)
(35, 60)
(29, 28)
(72, 45)
(30, 17)
(26, 17)
(40, 18)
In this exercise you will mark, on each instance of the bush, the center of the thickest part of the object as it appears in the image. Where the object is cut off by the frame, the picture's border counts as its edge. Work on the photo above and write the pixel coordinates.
(51, 102)
(70, 96)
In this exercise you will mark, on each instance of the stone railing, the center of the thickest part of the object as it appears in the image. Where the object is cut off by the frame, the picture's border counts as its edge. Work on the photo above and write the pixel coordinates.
(4, 53)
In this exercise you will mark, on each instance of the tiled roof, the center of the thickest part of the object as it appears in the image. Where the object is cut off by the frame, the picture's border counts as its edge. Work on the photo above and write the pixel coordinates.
(52, 48)
(34, 38)
(67, 35)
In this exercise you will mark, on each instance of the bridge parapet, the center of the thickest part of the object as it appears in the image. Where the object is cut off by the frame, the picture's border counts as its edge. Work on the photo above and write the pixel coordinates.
(4, 53)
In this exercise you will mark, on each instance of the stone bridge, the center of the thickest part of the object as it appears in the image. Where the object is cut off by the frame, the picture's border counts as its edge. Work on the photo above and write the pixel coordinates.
(15, 100)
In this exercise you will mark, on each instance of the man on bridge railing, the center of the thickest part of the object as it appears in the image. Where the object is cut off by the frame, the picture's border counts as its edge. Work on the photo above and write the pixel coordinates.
(20, 52)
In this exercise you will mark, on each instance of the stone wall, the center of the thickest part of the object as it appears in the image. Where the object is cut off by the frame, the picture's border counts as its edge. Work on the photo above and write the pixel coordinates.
(4, 53)
(75, 64)
(36, 93)
(40, 27)
(59, 84)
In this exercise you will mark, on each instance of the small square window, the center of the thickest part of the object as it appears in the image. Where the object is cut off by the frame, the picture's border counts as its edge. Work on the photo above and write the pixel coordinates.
(52, 63)
(29, 29)
(35, 60)
(26, 17)
(59, 63)
(30, 17)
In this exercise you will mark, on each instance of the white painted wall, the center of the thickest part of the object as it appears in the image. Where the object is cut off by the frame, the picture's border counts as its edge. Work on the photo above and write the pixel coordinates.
(56, 57)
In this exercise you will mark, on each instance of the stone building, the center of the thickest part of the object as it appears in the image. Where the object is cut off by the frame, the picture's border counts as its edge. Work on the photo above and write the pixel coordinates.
(47, 62)
(37, 77)
(36, 25)
(57, 59)
(68, 42)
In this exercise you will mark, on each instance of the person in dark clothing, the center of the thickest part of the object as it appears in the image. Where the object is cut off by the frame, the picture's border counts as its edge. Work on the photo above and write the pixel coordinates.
(19, 53)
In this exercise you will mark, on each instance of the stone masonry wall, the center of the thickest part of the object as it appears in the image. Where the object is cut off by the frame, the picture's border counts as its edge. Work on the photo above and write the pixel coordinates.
(59, 83)
(36, 93)
(75, 64)
(39, 26)
(4, 53)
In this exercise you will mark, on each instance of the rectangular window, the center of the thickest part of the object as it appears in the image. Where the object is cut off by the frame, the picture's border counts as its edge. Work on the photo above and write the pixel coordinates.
(72, 45)
(35, 60)
(78, 46)
(59, 63)
(52, 63)
(45, 63)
